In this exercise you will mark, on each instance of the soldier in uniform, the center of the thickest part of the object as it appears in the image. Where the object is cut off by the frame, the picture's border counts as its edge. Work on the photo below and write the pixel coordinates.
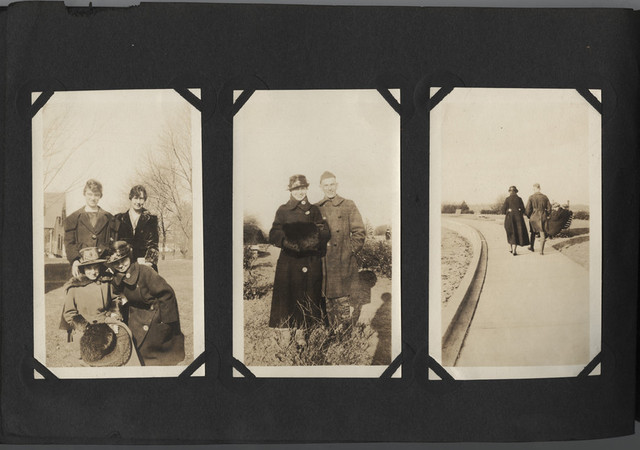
(537, 210)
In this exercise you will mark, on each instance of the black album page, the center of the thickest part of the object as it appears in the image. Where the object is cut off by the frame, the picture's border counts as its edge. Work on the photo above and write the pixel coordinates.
(271, 223)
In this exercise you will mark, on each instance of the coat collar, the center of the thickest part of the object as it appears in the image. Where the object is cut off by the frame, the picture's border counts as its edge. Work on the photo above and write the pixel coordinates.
(302, 204)
(130, 277)
(100, 223)
(335, 201)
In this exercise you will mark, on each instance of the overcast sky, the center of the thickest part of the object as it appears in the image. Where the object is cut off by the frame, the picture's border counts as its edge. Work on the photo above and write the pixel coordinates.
(353, 133)
(111, 132)
(494, 138)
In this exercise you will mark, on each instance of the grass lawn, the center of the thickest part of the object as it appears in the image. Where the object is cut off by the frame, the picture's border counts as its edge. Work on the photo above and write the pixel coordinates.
(177, 272)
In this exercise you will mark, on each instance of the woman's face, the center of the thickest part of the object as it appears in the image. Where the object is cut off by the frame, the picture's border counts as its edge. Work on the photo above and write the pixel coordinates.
(137, 203)
(299, 193)
(122, 265)
(92, 271)
(92, 198)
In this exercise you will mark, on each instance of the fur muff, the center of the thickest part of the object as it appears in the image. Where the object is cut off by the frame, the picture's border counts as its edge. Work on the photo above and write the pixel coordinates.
(79, 323)
(301, 236)
(97, 341)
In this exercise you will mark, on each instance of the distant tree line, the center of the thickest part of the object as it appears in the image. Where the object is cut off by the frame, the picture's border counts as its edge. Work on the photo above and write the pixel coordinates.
(451, 208)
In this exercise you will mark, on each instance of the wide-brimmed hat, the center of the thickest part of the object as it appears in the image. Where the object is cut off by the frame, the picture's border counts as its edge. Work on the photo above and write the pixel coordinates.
(297, 181)
(121, 250)
(101, 346)
(513, 188)
(89, 255)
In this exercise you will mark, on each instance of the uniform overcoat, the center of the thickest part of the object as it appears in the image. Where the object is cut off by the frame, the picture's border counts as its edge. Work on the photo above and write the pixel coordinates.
(514, 225)
(302, 234)
(144, 239)
(152, 315)
(347, 239)
(78, 232)
(538, 210)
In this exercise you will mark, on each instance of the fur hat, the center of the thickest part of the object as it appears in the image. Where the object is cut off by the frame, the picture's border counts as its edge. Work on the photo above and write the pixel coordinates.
(297, 181)
(101, 346)
(513, 189)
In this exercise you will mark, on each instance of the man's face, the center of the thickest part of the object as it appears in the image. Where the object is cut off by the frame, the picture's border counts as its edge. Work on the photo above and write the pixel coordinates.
(92, 198)
(299, 193)
(329, 187)
(137, 203)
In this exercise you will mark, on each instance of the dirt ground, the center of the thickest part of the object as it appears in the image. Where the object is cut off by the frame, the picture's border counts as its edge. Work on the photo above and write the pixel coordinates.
(60, 353)
(455, 260)
(263, 346)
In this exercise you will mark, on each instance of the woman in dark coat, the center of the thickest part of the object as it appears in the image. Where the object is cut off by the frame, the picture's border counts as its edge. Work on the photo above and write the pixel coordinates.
(513, 209)
(152, 309)
(302, 234)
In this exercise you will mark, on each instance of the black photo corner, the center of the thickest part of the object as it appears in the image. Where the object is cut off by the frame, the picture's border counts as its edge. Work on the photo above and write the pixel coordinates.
(210, 60)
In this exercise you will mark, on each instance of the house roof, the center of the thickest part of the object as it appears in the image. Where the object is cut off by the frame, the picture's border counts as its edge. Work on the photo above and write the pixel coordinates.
(54, 203)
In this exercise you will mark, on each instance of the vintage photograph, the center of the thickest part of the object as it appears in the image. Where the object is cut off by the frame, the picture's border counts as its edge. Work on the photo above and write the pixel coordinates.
(515, 233)
(117, 234)
(316, 244)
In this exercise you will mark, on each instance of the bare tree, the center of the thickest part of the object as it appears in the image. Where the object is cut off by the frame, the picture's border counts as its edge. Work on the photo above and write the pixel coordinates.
(167, 175)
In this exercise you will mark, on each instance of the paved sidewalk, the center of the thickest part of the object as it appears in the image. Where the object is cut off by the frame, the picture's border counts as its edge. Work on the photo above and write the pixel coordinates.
(533, 310)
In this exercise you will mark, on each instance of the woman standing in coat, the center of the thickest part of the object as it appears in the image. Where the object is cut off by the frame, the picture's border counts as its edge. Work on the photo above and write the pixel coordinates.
(514, 225)
(302, 235)
(152, 309)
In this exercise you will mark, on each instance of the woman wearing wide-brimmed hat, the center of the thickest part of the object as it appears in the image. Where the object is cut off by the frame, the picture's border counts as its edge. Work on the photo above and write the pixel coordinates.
(302, 235)
(91, 311)
(152, 309)
(514, 225)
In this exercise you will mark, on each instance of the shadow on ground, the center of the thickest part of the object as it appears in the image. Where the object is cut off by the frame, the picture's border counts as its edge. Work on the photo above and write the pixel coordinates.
(381, 324)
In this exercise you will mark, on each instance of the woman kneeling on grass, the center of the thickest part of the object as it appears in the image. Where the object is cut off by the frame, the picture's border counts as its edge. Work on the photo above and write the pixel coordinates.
(302, 235)
(152, 309)
(89, 309)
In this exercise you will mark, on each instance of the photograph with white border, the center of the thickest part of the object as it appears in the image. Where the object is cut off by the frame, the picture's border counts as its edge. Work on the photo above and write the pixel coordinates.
(316, 242)
(515, 239)
(118, 276)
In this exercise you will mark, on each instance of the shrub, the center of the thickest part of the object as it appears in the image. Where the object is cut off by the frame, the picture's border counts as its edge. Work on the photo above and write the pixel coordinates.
(581, 215)
(255, 286)
(488, 211)
(449, 209)
(376, 256)
(468, 211)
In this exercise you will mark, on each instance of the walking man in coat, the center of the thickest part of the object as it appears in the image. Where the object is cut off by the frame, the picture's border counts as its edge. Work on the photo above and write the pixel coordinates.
(347, 239)
(537, 210)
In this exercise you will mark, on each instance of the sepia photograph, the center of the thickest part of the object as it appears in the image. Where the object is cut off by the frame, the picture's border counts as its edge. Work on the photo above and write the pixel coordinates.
(515, 232)
(117, 234)
(316, 243)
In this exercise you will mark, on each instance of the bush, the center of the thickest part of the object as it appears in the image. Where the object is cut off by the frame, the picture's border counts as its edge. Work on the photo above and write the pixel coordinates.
(488, 211)
(376, 256)
(449, 209)
(468, 211)
(255, 286)
(581, 215)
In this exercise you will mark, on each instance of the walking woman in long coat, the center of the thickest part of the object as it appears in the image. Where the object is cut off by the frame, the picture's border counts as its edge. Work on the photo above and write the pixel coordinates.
(514, 225)
(302, 235)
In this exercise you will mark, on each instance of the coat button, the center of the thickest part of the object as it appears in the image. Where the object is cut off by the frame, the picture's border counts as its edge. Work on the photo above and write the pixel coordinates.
(303, 202)
(93, 236)
(328, 244)
(304, 269)
(145, 327)
(307, 213)
(151, 307)
(128, 275)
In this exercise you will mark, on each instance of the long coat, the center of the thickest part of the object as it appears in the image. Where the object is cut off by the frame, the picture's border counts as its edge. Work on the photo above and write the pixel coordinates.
(144, 239)
(302, 234)
(347, 238)
(85, 301)
(538, 210)
(152, 315)
(514, 225)
(78, 232)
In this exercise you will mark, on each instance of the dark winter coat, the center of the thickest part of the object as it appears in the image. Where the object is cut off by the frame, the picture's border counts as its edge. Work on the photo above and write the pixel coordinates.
(152, 315)
(347, 239)
(302, 234)
(78, 232)
(144, 241)
(538, 210)
(514, 225)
